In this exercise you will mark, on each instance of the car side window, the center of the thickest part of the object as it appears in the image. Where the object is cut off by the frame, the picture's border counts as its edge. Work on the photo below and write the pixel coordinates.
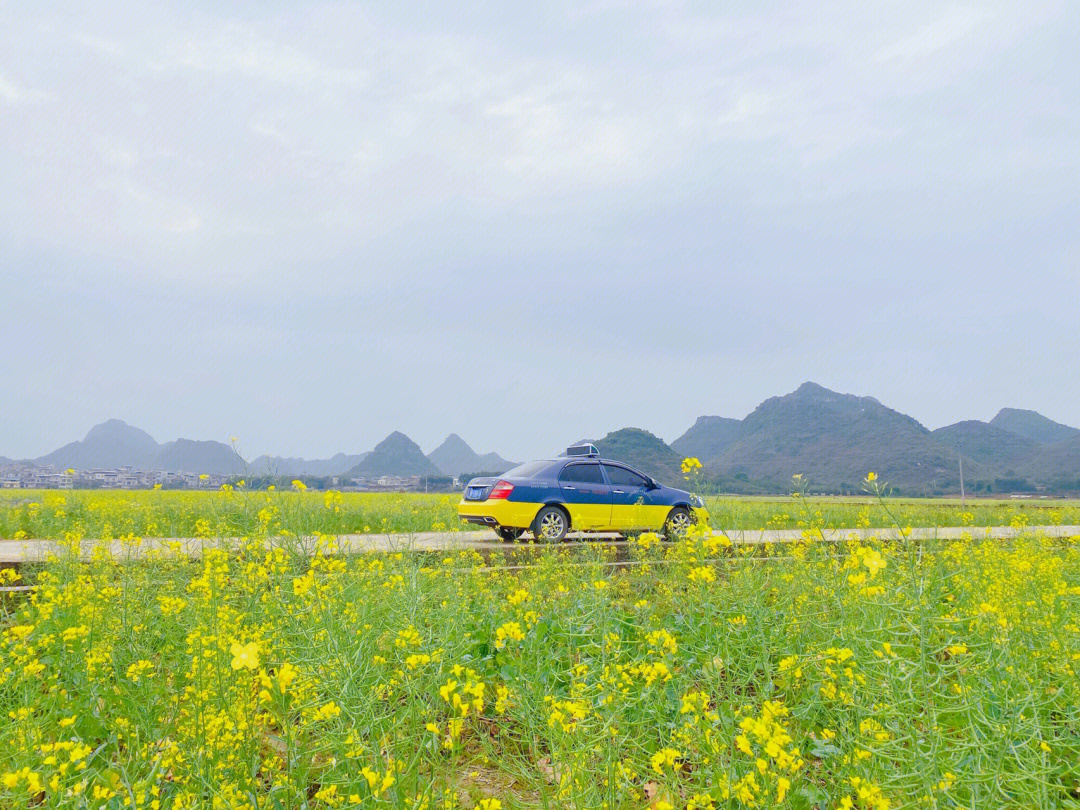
(622, 477)
(582, 474)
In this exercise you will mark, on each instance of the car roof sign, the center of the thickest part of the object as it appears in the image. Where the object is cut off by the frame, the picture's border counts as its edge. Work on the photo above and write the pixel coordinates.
(582, 450)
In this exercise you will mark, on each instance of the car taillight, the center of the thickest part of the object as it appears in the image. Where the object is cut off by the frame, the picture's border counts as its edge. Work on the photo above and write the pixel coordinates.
(501, 490)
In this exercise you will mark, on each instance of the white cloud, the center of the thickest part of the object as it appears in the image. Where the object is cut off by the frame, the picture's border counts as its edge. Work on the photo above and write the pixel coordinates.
(101, 45)
(14, 93)
(238, 49)
(952, 26)
(748, 105)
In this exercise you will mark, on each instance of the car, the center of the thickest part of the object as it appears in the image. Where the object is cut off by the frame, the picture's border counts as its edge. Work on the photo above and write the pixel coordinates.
(581, 491)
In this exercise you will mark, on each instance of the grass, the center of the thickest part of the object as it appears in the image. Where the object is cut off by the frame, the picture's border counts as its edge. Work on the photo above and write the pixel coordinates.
(241, 513)
(863, 674)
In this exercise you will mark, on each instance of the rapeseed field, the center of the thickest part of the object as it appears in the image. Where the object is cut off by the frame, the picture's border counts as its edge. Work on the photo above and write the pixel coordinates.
(239, 512)
(865, 673)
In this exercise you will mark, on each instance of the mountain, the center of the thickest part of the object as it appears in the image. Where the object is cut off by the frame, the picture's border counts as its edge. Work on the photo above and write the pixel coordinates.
(1056, 465)
(836, 439)
(644, 451)
(1033, 425)
(493, 462)
(115, 443)
(317, 468)
(397, 454)
(454, 457)
(983, 442)
(708, 438)
(111, 444)
(187, 455)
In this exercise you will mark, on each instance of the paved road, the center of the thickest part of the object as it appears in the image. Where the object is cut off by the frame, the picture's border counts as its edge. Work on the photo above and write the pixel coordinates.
(31, 550)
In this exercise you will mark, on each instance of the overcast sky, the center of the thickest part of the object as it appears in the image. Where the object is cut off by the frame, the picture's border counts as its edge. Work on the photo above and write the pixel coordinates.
(307, 225)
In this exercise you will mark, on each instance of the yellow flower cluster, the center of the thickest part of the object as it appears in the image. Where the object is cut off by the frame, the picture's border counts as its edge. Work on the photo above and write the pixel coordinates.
(464, 696)
(690, 466)
(765, 738)
(510, 631)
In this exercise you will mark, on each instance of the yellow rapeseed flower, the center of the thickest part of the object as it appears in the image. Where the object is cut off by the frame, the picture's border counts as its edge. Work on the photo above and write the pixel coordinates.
(690, 465)
(873, 561)
(702, 573)
(245, 656)
(666, 758)
(511, 631)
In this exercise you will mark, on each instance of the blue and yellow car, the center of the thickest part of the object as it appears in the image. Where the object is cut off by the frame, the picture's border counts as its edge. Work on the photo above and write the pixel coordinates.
(577, 491)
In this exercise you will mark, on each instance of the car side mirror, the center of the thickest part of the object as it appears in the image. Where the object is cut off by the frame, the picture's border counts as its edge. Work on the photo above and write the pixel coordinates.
(652, 484)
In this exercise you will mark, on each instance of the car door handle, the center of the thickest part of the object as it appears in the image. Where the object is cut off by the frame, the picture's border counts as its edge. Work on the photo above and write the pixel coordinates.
(566, 487)
(617, 492)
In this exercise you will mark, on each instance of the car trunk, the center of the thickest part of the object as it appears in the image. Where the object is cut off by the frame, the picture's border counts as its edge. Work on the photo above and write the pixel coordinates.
(479, 488)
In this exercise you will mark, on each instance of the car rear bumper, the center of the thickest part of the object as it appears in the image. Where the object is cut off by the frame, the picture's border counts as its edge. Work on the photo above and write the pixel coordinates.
(500, 512)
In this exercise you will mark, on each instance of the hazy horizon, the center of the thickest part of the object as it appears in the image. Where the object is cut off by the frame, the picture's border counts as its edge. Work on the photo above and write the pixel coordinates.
(309, 225)
(556, 447)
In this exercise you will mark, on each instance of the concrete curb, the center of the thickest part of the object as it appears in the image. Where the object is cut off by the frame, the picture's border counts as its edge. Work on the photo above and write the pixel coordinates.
(14, 552)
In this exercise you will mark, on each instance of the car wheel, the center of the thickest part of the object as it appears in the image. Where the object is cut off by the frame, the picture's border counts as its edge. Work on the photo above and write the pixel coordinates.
(678, 522)
(508, 533)
(551, 524)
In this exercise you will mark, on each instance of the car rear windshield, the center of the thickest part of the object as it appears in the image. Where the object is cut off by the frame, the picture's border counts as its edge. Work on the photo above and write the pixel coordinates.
(529, 469)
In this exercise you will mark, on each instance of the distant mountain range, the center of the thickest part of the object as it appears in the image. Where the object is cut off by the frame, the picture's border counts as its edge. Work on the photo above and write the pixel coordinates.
(111, 444)
(835, 439)
(1034, 426)
(832, 439)
(455, 457)
(115, 443)
(984, 443)
(397, 454)
(709, 437)
(280, 467)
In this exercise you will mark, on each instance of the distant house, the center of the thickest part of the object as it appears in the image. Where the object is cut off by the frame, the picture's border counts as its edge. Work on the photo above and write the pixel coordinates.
(106, 478)
(395, 483)
(46, 479)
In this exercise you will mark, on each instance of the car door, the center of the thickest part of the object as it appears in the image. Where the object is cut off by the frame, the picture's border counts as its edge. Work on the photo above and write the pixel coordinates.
(629, 491)
(586, 494)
